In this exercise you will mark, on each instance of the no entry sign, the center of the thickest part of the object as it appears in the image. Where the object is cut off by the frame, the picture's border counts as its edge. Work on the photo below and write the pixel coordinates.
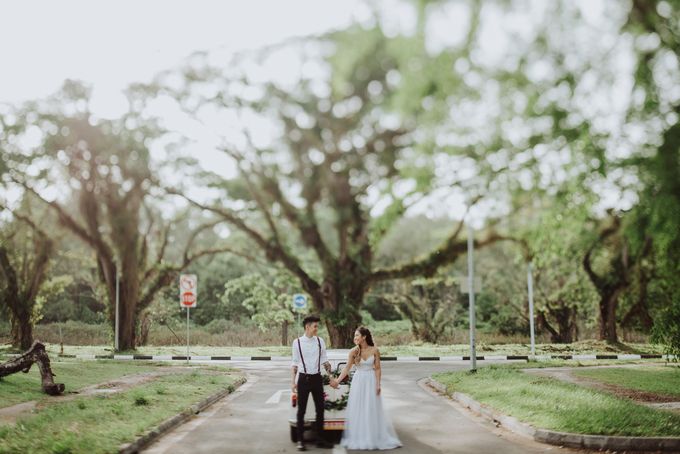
(187, 290)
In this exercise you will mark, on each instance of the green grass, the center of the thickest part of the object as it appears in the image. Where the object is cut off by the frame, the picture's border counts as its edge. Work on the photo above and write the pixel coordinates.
(100, 424)
(552, 404)
(21, 387)
(658, 380)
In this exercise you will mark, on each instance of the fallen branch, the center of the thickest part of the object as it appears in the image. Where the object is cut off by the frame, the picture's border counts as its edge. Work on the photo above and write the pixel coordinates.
(23, 363)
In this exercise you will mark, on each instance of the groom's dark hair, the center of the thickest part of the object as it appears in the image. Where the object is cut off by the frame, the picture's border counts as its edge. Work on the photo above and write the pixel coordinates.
(310, 319)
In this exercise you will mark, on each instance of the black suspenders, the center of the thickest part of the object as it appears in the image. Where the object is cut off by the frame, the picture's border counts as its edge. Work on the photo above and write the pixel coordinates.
(304, 366)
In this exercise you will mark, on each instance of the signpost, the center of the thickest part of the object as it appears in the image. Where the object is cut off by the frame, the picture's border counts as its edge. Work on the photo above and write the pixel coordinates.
(530, 288)
(188, 289)
(116, 342)
(471, 293)
(299, 304)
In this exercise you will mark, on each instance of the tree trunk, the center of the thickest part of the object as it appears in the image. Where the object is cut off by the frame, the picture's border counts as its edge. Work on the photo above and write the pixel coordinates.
(144, 328)
(127, 339)
(284, 333)
(340, 299)
(35, 354)
(607, 320)
(566, 325)
(342, 334)
(127, 323)
(22, 331)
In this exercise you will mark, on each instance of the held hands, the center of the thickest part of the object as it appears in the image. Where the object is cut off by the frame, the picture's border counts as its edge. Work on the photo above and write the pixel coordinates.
(334, 383)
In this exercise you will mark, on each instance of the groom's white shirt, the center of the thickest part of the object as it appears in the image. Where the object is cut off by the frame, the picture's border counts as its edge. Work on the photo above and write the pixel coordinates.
(310, 351)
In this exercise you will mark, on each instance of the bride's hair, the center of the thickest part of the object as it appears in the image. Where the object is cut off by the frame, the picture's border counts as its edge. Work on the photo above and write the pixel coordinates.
(367, 334)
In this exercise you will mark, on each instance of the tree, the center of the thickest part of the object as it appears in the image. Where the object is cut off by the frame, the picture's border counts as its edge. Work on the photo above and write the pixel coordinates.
(269, 303)
(36, 354)
(617, 266)
(25, 253)
(108, 168)
(428, 303)
(337, 149)
(657, 216)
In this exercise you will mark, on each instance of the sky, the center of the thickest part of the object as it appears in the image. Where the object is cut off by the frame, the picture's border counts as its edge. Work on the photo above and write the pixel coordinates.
(112, 44)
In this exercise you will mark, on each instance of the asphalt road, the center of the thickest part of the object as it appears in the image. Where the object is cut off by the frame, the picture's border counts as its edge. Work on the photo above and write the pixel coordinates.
(254, 419)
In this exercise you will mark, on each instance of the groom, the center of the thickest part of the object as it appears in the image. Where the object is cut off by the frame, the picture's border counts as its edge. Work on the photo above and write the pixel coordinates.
(309, 353)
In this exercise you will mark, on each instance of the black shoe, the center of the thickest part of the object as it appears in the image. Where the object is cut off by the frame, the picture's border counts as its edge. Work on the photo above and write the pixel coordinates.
(324, 444)
(301, 446)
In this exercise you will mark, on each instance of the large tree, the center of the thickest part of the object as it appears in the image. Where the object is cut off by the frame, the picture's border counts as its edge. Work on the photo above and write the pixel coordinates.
(26, 250)
(103, 169)
(337, 150)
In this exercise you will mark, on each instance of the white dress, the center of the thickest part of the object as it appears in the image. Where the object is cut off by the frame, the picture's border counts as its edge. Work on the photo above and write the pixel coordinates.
(366, 424)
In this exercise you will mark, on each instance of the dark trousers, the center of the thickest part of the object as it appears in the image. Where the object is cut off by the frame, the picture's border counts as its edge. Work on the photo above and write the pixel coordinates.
(310, 384)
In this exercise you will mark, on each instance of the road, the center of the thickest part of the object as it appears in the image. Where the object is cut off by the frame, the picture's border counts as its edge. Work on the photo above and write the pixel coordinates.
(255, 418)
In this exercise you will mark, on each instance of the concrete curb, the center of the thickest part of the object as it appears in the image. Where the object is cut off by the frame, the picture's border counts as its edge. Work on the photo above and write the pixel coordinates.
(180, 418)
(572, 440)
(382, 358)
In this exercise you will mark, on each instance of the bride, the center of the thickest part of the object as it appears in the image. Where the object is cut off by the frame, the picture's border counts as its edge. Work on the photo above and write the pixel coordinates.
(366, 424)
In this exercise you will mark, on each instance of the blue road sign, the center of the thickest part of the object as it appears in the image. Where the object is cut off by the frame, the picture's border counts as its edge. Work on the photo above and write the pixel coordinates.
(299, 301)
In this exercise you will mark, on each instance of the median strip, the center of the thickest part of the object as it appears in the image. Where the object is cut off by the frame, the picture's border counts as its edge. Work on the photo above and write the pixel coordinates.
(551, 411)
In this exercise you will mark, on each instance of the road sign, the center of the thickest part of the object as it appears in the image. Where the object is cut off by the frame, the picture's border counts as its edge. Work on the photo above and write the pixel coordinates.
(299, 301)
(188, 290)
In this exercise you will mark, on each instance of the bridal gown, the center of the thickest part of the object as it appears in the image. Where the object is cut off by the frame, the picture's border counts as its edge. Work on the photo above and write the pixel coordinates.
(366, 424)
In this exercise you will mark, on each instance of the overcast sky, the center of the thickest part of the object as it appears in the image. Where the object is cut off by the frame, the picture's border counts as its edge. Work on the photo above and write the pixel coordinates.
(112, 44)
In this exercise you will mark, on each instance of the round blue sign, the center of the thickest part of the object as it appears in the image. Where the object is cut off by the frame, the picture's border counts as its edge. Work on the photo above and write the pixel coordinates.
(299, 301)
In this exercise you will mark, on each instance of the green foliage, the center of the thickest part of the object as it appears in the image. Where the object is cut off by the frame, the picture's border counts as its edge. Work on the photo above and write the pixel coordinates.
(429, 305)
(666, 329)
(268, 301)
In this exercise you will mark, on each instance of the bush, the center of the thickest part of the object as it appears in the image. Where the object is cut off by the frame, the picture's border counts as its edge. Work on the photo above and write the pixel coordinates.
(219, 326)
(74, 333)
(666, 329)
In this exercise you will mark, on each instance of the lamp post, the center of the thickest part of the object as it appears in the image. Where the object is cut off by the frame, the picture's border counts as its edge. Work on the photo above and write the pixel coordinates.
(530, 289)
(471, 296)
(117, 323)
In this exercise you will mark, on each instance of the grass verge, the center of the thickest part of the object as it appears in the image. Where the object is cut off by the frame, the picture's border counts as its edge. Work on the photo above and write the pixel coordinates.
(658, 380)
(101, 423)
(21, 387)
(551, 404)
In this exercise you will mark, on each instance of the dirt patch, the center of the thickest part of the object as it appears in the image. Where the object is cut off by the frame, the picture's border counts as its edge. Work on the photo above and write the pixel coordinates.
(565, 374)
(9, 415)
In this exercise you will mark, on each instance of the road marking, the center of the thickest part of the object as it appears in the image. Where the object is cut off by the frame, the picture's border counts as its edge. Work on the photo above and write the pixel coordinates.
(276, 397)
(337, 449)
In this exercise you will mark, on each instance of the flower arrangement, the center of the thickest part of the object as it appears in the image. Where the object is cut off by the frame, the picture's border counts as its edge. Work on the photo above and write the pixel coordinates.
(338, 403)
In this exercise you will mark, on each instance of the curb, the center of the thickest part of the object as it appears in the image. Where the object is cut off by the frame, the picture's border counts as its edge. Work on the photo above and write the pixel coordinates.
(383, 358)
(572, 440)
(180, 418)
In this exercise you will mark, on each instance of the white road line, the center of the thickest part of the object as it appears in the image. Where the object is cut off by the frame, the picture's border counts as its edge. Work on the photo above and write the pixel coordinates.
(276, 397)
